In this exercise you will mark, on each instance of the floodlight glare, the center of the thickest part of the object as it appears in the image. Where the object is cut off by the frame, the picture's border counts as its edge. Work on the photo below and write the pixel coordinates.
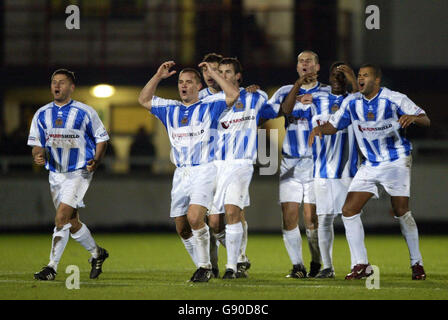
(103, 91)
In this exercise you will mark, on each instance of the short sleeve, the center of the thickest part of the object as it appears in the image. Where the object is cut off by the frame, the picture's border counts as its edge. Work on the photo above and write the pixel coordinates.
(407, 106)
(36, 137)
(276, 100)
(99, 131)
(159, 108)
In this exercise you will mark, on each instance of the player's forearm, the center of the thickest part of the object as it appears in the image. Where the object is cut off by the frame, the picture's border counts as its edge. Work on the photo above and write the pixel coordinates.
(101, 148)
(149, 91)
(232, 93)
(423, 121)
(288, 104)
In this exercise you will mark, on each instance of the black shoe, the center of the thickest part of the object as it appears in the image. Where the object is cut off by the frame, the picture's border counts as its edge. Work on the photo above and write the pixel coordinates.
(215, 273)
(98, 263)
(201, 275)
(47, 273)
(327, 273)
(314, 269)
(298, 271)
(230, 274)
(241, 269)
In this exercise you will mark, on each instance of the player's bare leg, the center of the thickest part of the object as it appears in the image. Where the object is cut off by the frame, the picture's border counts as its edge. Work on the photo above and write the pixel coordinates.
(311, 225)
(234, 237)
(292, 238)
(196, 219)
(183, 229)
(354, 232)
(400, 207)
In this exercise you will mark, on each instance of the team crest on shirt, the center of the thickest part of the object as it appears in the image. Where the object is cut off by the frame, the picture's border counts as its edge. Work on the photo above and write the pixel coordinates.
(184, 120)
(239, 105)
(334, 108)
(370, 116)
(59, 123)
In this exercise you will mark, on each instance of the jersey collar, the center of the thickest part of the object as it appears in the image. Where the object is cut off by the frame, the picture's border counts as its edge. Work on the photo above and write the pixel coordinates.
(65, 105)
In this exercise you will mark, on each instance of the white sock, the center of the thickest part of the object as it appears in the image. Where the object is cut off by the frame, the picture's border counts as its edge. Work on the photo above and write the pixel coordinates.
(293, 244)
(214, 245)
(313, 244)
(190, 245)
(242, 257)
(354, 232)
(221, 237)
(84, 237)
(234, 237)
(326, 239)
(202, 238)
(410, 233)
(58, 243)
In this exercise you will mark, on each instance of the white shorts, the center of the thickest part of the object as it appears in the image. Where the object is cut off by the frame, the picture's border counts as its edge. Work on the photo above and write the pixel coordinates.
(192, 185)
(232, 184)
(296, 180)
(330, 194)
(395, 177)
(69, 187)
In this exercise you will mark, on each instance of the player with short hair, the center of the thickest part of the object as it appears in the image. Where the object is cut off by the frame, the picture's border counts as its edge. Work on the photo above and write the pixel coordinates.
(335, 158)
(236, 151)
(191, 125)
(296, 170)
(69, 139)
(378, 116)
(213, 60)
(216, 222)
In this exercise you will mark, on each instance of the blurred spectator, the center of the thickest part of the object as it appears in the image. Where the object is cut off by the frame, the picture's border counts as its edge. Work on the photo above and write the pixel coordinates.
(142, 146)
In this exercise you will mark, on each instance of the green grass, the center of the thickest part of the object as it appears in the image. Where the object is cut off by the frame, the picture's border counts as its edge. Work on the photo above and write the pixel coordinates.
(156, 266)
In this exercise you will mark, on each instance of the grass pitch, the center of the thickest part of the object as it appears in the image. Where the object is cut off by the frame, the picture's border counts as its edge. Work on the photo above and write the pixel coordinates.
(157, 267)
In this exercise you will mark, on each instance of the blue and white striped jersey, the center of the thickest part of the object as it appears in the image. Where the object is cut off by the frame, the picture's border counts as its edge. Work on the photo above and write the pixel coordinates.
(68, 133)
(204, 93)
(192, 130)
(375, 123)
(295, 144)
(335, 156)
(238, 126)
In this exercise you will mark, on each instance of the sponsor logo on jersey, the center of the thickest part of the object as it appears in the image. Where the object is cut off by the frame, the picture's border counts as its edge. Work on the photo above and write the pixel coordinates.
(63, 136)
(373, 129)
(187, 134)
(226, 124)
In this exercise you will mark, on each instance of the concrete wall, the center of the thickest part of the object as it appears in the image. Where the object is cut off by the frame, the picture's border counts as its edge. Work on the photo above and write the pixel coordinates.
(114, 203)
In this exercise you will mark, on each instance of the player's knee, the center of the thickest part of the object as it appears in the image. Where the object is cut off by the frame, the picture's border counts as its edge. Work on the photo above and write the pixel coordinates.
(348, 211)
(400, 211)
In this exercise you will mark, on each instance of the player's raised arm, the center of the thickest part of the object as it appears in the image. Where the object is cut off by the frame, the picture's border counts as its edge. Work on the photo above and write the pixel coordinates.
(288, 104)
(350, 76)
(149, 90)
(232, 93)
